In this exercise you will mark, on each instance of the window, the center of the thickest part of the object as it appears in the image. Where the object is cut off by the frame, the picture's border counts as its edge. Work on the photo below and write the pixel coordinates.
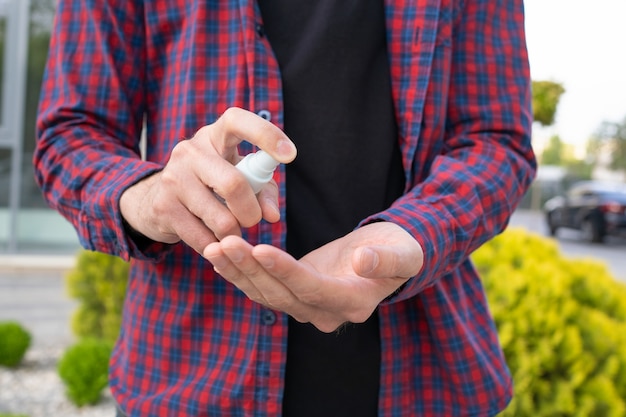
(26, 223)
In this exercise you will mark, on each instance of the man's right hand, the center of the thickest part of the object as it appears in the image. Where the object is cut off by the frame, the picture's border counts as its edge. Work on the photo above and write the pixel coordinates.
(180, 202)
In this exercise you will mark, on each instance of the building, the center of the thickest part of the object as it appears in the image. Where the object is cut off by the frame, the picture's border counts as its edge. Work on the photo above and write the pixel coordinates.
(27, 225)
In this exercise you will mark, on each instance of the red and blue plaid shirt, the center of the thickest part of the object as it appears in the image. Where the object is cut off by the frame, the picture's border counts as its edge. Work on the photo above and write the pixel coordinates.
(191, 343)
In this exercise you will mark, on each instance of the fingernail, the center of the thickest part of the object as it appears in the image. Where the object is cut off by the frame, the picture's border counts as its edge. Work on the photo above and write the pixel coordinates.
(286, 148)
(272, 204)
(369, 260)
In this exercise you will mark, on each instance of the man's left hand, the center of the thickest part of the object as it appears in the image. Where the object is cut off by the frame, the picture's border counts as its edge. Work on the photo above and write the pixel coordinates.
(342, 281)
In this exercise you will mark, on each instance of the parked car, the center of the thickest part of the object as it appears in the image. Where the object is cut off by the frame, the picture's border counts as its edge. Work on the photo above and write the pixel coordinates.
(596, 208)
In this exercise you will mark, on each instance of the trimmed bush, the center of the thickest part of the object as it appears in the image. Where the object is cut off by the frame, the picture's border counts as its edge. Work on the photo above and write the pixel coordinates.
(14, 342)
(562, 325)
(98, 282)
(84, 370)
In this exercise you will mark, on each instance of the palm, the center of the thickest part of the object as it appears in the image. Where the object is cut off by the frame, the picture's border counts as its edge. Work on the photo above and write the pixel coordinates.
(341, 281)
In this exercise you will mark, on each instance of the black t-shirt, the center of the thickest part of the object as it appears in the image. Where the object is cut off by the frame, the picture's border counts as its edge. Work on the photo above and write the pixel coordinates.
(339, 113)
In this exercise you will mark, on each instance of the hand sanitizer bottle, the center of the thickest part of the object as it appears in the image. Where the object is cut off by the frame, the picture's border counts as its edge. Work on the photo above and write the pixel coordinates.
(258, 168)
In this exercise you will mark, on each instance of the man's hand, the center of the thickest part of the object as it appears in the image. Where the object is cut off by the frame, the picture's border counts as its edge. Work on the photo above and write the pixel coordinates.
(343, 281)
(180, 202)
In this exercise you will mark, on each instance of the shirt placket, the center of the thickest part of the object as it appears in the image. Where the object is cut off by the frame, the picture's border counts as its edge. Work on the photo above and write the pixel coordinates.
(266, 101)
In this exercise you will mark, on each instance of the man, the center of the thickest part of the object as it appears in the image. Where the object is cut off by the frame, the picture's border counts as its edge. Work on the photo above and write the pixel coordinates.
(344, 287)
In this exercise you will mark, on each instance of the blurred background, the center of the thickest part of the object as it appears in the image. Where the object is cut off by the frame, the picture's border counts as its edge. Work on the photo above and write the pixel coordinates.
(579, 88)
(578, 68)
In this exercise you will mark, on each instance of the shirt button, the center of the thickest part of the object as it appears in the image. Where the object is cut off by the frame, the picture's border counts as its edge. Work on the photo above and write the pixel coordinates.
(265, 114)
(268, 317)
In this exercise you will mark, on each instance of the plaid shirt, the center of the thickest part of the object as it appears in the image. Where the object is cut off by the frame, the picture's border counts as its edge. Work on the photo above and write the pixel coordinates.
(191, 343)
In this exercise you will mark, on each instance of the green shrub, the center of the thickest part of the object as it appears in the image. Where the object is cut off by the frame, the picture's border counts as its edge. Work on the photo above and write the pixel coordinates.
(562, 325)
(83, 368)
(98, 282)
(14, 342)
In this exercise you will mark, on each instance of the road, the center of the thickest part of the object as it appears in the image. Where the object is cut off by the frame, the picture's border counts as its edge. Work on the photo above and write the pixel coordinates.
(612, 252)
(39, 301)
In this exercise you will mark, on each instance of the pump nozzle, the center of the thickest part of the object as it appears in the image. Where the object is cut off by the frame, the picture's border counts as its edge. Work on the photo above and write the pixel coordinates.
(258, 168)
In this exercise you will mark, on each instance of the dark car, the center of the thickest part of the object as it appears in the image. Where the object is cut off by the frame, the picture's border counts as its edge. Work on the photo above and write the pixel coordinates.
(596, 208)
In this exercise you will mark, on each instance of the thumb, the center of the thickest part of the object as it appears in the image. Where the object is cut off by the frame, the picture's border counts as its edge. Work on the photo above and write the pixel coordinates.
(386, 261)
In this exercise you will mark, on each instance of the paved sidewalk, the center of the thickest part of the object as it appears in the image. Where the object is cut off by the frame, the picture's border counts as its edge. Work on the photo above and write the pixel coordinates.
(32, 292)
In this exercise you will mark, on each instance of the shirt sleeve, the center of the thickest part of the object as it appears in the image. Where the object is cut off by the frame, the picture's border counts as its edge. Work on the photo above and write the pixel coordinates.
(90, 120)
(486, 162)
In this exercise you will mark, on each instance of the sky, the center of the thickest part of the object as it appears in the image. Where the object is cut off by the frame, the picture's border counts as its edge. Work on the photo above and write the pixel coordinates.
(582, 45)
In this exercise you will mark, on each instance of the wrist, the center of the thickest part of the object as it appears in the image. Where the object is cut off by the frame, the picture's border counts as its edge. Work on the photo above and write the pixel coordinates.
(133, 209)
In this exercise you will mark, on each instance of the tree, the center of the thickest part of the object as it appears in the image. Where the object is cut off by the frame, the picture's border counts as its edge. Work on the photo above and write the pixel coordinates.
(545, 100)
(611, 137)
(546, 96)
(562, 154)
(553, 153)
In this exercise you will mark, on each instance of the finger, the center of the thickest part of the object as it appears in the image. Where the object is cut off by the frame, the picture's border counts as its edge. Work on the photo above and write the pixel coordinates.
(235, 193)
(233, 262)
(191, 175)
(268, 200)
(274, 293)
(214, 254)
(170, 221)
(323, 301)
(278, 262)
(386, 261)
(310, 287)
(236, 125)
(203, 204)
(223, 265)
(192, 231)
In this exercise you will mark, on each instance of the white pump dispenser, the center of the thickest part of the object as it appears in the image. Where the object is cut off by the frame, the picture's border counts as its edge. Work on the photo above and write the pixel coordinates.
(258, 168)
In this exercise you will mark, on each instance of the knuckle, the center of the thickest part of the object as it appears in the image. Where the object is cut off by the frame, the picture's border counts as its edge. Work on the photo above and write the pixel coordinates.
(162, 229)
(232, 184)
(253, 216)
(181, 149)
(229, 184)
(182, 153)
(358, 316)
(267, 130)
(225, 225)
(169, 178)
(203, 132)
(161, 207)
(230, 116)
